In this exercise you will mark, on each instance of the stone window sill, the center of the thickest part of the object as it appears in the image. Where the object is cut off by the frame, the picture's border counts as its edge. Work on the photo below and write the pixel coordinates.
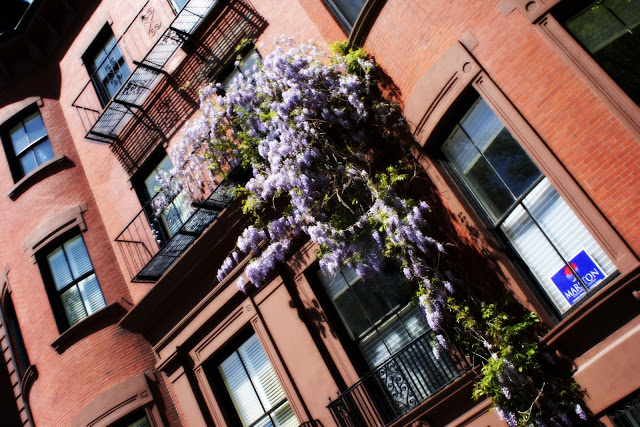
(111, 314)
(584, 327)
(38, 174)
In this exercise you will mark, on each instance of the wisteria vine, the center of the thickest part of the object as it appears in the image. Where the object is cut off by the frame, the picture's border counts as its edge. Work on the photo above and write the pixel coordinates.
(322, 144)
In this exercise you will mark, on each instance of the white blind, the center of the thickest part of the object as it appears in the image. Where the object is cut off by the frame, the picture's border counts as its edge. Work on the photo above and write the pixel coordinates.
(68, 263)
(254, 387)
(561, 226)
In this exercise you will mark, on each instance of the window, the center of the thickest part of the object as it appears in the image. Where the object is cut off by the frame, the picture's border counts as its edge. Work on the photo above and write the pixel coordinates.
(627, 413)
(21, 358)
(106, 64)
(522, 206)
(176, 213)
(244, 67)
(30, 146)
(610, 31)
(347, 11)
(179, 4)
(254, 388)
(136, 419)
(377, 312)
(75, 293)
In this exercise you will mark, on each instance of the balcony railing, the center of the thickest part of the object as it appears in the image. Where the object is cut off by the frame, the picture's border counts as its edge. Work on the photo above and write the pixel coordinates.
(397, 386)
(151, 243)
(149, 42)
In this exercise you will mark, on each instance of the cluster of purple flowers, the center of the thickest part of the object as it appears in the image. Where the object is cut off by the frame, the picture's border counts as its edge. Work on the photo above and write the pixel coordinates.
(295, 121)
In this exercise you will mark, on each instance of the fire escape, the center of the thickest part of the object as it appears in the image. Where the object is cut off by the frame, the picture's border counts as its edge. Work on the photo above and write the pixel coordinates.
(172, 55)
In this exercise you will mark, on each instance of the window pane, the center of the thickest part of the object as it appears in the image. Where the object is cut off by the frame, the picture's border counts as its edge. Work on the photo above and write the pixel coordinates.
(557, 220)
(374, 349)
(595, 27)
(511, 163)
(394, 334)
(478, 174)
(628, 11)
(78, 256)
(261, 372)
(43, 152)
(151, 182)
(413, 321)
(609, 32)
(351, 313)
(240, 389)
(254, 386)
(73, 306)
(28, 162)
(248, 62)
(371, 300)
(19, 138)
(91, 294)
(349, 9)
(536, 252)
(111, 70)
(35, 127)
(59, 268)
(481, 124)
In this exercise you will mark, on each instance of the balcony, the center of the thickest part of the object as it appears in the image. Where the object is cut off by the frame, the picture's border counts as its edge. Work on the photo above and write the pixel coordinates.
(151, 243)
(397, 386)
(149, 42)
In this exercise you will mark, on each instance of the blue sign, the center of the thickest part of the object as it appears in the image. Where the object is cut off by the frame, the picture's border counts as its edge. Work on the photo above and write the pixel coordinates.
(587, 270)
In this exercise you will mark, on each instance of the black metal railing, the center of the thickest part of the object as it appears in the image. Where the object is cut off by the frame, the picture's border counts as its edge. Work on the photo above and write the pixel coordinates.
(398, 385)
(148, 43)
(153, 241)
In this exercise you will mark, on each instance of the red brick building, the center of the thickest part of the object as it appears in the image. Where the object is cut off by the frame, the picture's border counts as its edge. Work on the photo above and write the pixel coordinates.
(113, 317)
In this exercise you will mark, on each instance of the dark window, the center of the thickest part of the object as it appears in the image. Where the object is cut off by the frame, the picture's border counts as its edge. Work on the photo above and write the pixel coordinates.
(106, 65)
(610, 31)
(136, 419)
(627, 414)
(18, 348)
(253, 386)
(522, 206)
(27, 144)
(347, 11)
(376, 312)
(244, 66)
(177, 211)
(75, 292)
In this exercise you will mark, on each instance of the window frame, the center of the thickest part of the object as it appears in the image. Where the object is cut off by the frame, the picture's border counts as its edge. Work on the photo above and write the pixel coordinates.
(98, 44)
(432, 105)
(334, 7)
(346, 336)
(464, 105)
(13, 158)
(55, 295)
(220, 389)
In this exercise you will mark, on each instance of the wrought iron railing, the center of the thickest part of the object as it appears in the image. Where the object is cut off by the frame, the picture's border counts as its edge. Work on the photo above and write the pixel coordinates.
(398, 385)
(628, 413)
(149, 42)
(152, 242)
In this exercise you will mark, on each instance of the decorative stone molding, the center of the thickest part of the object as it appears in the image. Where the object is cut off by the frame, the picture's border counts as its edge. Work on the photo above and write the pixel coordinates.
(531, 9)
(121, 400)
(12, 110)
(111, 314)
(5, 289)
(54, 227)
(439, 87)
(30, 376)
